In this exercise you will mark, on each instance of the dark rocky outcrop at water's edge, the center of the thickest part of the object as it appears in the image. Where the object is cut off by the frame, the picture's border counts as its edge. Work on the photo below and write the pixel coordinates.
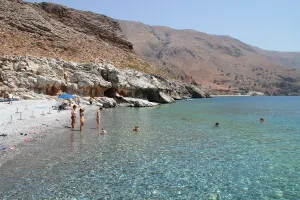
(52, 76)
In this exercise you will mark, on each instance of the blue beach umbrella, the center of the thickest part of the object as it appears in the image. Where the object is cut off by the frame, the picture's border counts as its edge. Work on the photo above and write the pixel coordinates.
(66, 96)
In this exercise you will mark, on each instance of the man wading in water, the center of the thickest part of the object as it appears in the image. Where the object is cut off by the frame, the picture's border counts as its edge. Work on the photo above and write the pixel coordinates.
(98, 117)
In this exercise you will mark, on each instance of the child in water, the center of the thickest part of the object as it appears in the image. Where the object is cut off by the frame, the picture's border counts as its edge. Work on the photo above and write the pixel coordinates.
(136, 129)
(81, 118)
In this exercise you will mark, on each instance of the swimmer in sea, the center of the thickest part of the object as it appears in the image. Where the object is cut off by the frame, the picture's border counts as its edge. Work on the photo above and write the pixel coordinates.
(217, 124)
(103, 132)
(136, 129)
(262, 120)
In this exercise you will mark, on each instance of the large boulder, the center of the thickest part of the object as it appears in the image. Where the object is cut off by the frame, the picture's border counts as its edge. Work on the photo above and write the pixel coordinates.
(139, 102)
(195, 91)
(175, 95)
(165, 98)
(107, 102)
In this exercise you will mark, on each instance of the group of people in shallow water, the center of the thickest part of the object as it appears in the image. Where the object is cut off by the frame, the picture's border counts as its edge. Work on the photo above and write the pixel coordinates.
(81, 115)
(98, 118)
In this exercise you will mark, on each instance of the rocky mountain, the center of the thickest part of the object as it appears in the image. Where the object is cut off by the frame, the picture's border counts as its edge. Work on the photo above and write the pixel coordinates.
(222, 63)
(48, 49)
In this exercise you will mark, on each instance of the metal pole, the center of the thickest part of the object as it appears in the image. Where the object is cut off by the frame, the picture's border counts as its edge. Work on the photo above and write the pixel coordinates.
(32, 116)
(20, 116)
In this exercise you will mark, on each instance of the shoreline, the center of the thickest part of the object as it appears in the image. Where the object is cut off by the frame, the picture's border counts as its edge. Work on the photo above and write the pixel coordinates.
(228, 95)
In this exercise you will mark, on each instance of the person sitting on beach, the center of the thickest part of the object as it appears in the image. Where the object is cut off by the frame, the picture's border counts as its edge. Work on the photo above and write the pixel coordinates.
(99, 116)
(103, 132)
(81, 118)
(217, 124)
(73, 116)
(262, 120)
(136, 129)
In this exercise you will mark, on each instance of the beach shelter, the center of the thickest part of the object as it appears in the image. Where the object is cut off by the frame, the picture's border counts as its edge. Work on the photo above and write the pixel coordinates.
(66, 96)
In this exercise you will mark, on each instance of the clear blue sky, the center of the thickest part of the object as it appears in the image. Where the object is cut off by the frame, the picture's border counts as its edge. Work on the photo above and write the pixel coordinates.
(268, 24)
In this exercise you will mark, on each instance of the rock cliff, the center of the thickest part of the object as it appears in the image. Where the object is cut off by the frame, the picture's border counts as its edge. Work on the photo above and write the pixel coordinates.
(55, 31)
(52, 76)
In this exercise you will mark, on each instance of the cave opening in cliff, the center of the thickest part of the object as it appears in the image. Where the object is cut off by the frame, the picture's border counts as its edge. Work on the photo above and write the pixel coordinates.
(152, 96)
(140, 94)
(111, 93)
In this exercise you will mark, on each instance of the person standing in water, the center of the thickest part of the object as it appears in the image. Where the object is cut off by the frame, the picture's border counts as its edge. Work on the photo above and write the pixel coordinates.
(81, 118)
(73, 116)
(99, 116)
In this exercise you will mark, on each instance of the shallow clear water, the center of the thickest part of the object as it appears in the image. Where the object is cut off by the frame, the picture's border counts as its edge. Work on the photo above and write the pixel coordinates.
(178, 154)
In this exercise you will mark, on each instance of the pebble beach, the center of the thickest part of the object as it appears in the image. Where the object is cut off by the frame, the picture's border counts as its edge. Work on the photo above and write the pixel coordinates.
(25, 121)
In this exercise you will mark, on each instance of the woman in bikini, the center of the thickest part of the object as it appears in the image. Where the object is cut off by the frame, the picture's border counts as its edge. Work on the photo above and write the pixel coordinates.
(73, 116)
(81, 118)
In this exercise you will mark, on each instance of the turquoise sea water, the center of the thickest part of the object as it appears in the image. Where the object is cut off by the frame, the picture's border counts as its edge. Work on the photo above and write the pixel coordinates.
(178, 154)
